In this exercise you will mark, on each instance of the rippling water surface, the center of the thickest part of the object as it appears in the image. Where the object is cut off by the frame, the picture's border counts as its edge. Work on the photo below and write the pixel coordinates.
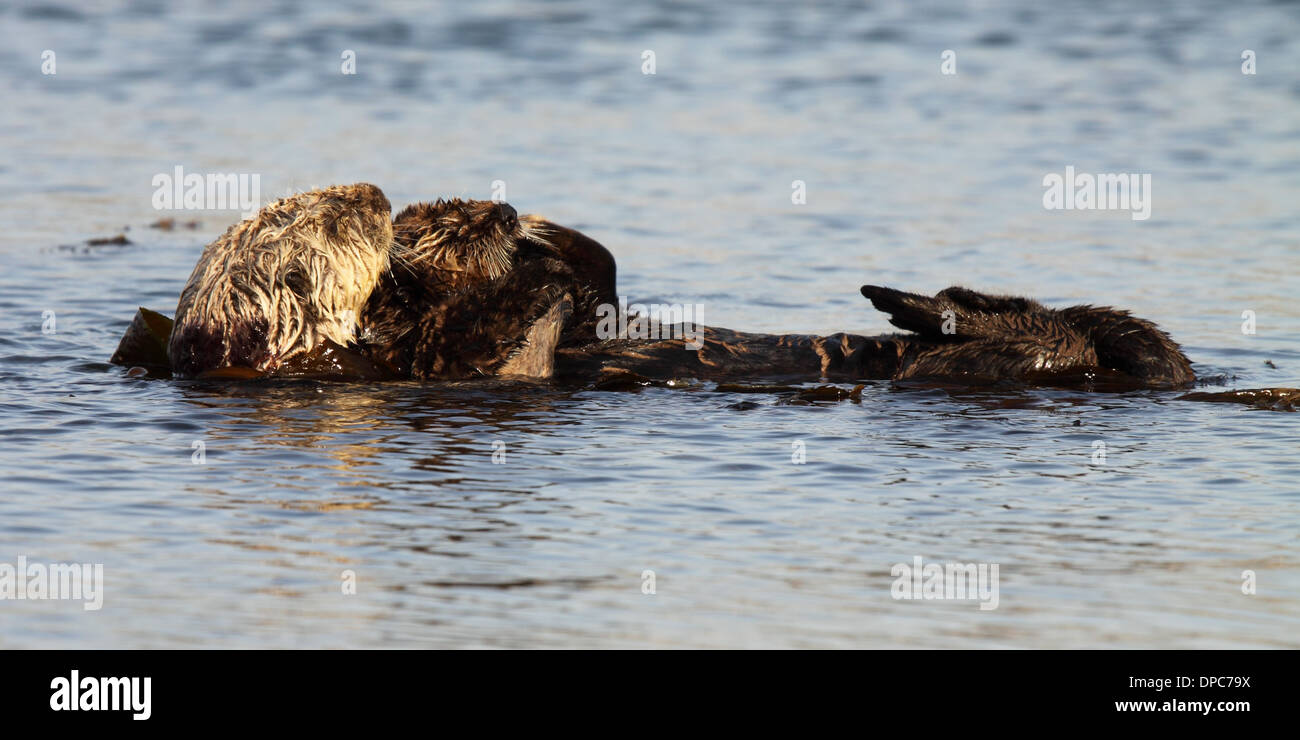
(914, 179)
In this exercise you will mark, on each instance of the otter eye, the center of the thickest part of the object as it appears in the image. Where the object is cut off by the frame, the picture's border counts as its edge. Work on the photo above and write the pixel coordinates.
(509, 216)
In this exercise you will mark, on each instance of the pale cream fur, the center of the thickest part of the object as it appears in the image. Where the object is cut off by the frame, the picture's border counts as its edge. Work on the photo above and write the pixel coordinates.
(331, 245)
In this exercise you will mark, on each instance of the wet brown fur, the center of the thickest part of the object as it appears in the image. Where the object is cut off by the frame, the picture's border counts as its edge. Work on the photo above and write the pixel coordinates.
(993, 339)
(431, 323)
(1007, 338)
(475, 291)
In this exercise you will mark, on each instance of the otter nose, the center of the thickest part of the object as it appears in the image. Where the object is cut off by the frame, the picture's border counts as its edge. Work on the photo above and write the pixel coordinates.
(509, 216)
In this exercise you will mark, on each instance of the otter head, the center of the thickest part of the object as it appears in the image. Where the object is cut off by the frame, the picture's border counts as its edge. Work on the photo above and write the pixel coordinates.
(453, 244)
(473, 288)
(472, 282)
(278, 285)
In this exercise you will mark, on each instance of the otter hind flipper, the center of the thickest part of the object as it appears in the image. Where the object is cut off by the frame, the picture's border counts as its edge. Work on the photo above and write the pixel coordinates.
(535, 357)
(952, 315)
(909, 311)
(959, 314)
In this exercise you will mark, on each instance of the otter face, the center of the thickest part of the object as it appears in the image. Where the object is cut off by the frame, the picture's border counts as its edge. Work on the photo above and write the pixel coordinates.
(276, 286)
(452, 244)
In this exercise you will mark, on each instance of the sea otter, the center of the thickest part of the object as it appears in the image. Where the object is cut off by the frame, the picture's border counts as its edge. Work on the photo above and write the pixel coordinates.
(478, 291)
(284, 284)
(322, 284)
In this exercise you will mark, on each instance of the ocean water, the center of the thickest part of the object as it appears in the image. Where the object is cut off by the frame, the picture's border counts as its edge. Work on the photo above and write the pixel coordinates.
(234, 515)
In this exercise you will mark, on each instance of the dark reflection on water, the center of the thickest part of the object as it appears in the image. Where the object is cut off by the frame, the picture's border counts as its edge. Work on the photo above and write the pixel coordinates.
(913, 178)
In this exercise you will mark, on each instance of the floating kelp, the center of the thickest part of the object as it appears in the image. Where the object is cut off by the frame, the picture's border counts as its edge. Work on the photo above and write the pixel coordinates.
(145, 343)
(119, 240)
(1271, 399)
(832, 393)
(170, 224)
(623, 380)
(747, 388)
(796, 394)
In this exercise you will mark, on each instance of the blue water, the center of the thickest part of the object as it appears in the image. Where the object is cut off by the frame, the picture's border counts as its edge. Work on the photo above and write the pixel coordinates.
(914, 179)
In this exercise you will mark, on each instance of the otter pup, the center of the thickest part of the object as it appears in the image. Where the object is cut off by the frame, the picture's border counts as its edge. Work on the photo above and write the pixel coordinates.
(476, 290)
(289, 281)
